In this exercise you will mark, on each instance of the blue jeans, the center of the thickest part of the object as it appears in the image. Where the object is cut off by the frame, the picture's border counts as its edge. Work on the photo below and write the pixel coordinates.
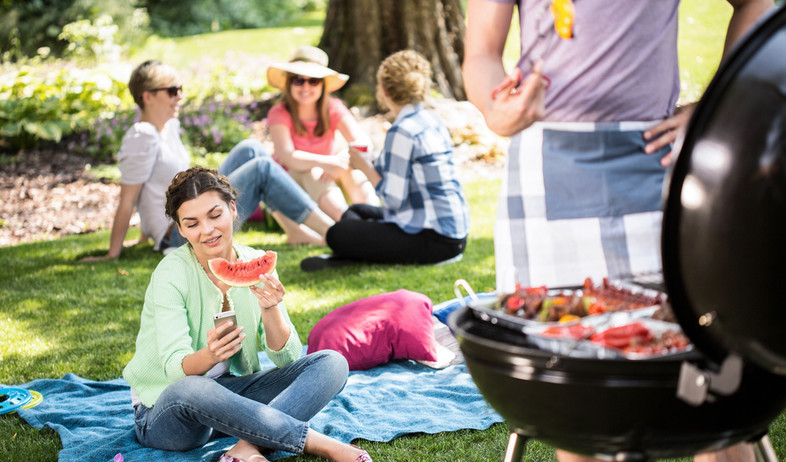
(270, 408)
(258, 178)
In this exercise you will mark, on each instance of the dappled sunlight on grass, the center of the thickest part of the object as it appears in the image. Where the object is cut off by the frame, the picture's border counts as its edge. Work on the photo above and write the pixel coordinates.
(482, 195)
(255, 235)
(44, 337)
(19, 339)
(60, 315)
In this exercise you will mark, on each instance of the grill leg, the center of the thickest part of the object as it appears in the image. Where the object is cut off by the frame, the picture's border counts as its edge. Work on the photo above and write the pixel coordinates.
(764, 451)
(515, 450)
(631, 457)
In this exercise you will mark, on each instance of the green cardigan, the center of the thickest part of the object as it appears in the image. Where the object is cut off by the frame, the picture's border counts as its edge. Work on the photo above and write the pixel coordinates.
(180, 302)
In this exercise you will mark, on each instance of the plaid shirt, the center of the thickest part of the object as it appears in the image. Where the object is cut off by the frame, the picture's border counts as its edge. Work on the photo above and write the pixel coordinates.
(419, 189)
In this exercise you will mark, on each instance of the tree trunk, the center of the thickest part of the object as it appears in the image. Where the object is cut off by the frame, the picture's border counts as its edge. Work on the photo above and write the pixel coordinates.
(359, 34)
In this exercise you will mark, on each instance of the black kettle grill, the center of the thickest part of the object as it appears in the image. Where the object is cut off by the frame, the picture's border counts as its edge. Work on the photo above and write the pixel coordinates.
(724, 268)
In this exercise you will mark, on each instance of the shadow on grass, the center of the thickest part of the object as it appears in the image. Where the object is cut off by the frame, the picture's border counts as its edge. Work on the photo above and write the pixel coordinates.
(65, 316)
(476, 265)
(17, 437)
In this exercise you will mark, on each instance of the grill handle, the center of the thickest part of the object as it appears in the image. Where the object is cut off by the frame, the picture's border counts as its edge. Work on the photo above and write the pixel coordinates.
(461, 283)
(695, 384)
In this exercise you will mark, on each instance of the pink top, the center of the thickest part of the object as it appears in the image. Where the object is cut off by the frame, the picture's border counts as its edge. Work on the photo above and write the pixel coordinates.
(315, 144)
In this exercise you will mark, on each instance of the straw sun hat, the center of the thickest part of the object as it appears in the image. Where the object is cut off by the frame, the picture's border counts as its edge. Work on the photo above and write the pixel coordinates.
(307, 61)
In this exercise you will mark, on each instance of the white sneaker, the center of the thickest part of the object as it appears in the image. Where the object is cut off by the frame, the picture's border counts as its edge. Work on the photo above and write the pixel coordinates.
(455, 259)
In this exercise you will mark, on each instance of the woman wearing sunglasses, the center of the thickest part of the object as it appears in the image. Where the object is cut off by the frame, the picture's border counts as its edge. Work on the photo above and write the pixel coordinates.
(152, 153)
(303, 129)
(424, 214)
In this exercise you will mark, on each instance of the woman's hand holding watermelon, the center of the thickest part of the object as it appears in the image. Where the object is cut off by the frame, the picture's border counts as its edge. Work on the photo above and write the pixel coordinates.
(270, 294)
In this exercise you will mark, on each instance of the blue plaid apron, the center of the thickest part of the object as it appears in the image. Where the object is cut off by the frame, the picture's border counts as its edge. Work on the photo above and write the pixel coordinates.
(578, 200)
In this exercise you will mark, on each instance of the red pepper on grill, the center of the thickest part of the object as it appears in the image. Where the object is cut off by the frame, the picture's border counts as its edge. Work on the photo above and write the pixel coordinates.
(575, 331)
(597, 308)
(540, 290)
(623, 336)
(514, 302)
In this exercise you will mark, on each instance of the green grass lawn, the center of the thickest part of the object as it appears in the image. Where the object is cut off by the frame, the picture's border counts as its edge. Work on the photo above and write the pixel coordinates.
(62, 316)
(274, 42)
(59, 316)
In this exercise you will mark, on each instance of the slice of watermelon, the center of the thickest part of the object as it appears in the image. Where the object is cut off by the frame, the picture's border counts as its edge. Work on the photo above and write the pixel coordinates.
(242, 273)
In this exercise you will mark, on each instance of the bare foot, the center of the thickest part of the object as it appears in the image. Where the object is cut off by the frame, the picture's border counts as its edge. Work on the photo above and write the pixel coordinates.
(246, 452)
(331, 449)
(357, 453)
(299, 233)
(304, 235)
(347, 453)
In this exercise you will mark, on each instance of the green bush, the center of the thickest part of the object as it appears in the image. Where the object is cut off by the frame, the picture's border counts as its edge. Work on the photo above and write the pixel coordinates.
(26, 26)
(170, 19)
(103, 139)
(89, 41)
(214, 125)
(88, 110)
(44, 103)
(221, 102)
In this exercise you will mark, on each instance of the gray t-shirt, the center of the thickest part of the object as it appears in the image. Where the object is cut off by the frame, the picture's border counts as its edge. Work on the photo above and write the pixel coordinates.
(151, 158)
(620, 65)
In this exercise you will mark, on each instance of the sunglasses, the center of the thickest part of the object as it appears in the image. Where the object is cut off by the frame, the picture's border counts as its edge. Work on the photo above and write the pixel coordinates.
(173, 90)
(299, 81)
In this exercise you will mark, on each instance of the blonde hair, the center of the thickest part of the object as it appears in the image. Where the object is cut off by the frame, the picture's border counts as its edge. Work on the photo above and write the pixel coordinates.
(149, 75)
(405, 76)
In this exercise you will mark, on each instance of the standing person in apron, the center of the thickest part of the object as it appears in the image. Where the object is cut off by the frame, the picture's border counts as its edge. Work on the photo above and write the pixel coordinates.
(590, 109)
(581, 195)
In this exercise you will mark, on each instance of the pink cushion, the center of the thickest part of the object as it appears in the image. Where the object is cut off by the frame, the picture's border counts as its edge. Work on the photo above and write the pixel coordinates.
(378, 329)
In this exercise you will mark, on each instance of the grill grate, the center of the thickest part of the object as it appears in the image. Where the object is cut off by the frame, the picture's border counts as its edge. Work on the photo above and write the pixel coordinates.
(653, 280)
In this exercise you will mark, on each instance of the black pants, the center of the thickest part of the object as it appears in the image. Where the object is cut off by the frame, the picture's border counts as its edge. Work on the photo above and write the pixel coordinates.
(361, 235)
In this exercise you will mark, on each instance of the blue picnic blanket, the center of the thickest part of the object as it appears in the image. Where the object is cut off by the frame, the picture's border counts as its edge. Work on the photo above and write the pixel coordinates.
(95, 419)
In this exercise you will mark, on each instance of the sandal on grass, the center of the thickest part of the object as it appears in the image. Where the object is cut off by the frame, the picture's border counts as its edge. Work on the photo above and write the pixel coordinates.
(363, 457)
(228, 458)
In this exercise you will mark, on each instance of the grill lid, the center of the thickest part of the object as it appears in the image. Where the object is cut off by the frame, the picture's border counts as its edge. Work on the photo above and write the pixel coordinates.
(724, 227)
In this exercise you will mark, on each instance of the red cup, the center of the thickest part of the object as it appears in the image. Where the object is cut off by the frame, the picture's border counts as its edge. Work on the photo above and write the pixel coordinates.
(360, 146)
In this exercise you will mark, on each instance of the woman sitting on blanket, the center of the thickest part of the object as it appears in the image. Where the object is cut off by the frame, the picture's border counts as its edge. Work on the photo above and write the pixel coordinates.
(424, 216)
(189, 381)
